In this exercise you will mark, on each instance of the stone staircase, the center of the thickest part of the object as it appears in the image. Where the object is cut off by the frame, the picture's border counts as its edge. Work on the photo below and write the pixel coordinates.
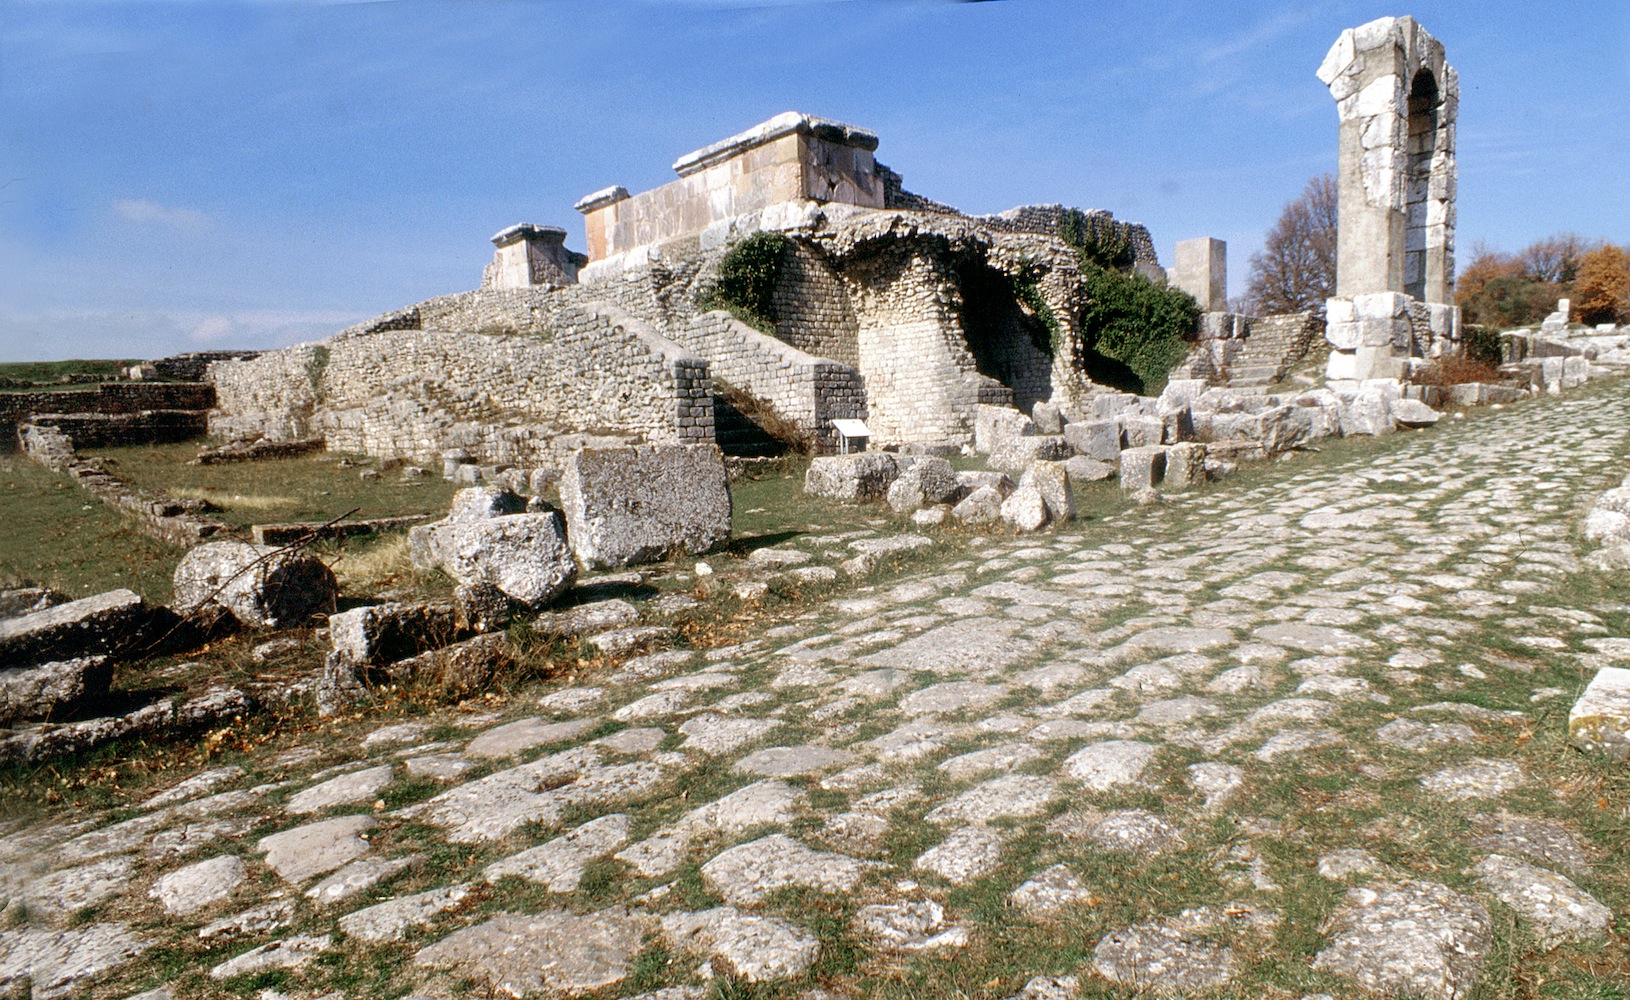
(1278, 348)
(737, 435)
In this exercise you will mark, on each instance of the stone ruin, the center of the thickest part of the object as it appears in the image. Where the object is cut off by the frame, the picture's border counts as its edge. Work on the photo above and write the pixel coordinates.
(1398, 99)
(889, 308)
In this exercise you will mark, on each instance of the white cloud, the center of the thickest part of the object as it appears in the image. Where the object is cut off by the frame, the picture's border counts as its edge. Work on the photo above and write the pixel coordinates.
(145, 211)
(214, 330)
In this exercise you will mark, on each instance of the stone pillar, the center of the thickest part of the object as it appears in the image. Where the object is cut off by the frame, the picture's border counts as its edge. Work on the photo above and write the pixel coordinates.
(1397, 99)
(531, 256)
(1200, 267)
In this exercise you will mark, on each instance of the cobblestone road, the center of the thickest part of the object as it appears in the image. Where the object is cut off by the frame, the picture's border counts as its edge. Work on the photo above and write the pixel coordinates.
(1290, 736)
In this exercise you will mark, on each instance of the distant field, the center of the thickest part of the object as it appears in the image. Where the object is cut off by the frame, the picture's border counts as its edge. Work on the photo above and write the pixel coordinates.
(51, 371)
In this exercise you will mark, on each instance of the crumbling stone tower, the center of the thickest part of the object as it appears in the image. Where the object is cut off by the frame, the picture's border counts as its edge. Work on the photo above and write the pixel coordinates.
(1397, 98)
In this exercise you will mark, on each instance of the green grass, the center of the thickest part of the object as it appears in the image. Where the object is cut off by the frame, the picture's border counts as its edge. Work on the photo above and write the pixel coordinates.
(51, 371)
(302, 488)
(55, 534)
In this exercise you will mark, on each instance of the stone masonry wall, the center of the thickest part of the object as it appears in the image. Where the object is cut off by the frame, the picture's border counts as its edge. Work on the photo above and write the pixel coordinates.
(505, 398)
(809, 391)
(811, 307)
(921, 382)
(122, 397)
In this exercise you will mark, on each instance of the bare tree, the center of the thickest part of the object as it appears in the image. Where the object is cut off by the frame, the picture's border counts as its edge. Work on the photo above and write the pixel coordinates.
(1296, 269)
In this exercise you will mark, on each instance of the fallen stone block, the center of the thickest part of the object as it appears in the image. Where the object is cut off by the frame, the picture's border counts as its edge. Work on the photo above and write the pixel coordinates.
(1026, 509)
(1052, 479)
(1185, 465)
(1139, 431)
(1413, 413)
(107, 624)
(1047, 418)
(526, 556)
(633, 505)
(1089, 470)
(384, 633)
(260, 585)
(865, 476)
(1095, 439)
(982, 506)
(160, 719)
(1367, 413)
(52, 689)
(1600, 720)
(1018, 453)
(1142, 468)
(925, 481)
(995, 426)
(459, 669)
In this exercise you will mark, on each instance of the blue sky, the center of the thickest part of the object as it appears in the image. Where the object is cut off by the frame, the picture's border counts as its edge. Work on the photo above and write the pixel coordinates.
(182, 176)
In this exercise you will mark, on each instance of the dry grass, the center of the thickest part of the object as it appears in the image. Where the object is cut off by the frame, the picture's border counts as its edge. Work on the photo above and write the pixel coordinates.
(1455, 370)
(236, 501)
(382, 564)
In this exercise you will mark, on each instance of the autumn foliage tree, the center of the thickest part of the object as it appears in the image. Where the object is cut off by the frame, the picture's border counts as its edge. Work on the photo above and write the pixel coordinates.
(1501, 291)
(1601, 291)
(1296, 269)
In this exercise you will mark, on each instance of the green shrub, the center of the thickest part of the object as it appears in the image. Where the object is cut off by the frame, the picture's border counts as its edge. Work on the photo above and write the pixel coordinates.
(1097, 239)
(1482, 344)
(1137, 322)
(745, 286)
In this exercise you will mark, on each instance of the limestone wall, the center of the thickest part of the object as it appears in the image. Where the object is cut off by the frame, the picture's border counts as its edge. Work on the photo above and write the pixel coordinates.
(122, 397)
(790, 158)
(812, 311)
(506, 398)
(809, 391)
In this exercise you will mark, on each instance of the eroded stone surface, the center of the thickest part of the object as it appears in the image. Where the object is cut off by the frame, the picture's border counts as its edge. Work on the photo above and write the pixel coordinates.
(554, 950)
(1559, 910)
(746, 873)
(756, 948)
(1415, 937)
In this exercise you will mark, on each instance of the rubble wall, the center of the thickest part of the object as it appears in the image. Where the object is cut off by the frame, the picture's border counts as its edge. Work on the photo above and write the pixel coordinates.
(123, 397)
(812, 308)
(807, 390)
(503, 397)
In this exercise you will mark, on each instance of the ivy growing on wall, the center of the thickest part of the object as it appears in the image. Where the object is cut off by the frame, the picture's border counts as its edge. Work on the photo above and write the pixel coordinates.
(1027, 291)
(1097, 239)
(1132, 320)
(745, 285)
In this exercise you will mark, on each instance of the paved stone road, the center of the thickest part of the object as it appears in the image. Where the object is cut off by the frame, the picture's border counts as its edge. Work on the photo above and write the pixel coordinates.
(1286, 736)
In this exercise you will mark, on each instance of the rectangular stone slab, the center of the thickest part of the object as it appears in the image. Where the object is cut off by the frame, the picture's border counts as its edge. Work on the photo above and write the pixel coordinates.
(1600, 719)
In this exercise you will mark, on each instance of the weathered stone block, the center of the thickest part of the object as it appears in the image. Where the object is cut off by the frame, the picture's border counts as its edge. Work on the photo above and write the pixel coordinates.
(924, 481)
(261, 586)
(994, 426)
(1090, 470)
(1185, 465)
(982, 506)
(1052, 480)
(866, 476)
(1095, 439)
(633, 505)
(1047, 418)
(1600, 720)
(1142, 468)
(1141, 432)
(106, 624)
(1367, 413)
(524, 555)
(1018, 453)
(480, 502)
(384, 633)
(52, 689)
(1026, 509)
(1413, 413)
